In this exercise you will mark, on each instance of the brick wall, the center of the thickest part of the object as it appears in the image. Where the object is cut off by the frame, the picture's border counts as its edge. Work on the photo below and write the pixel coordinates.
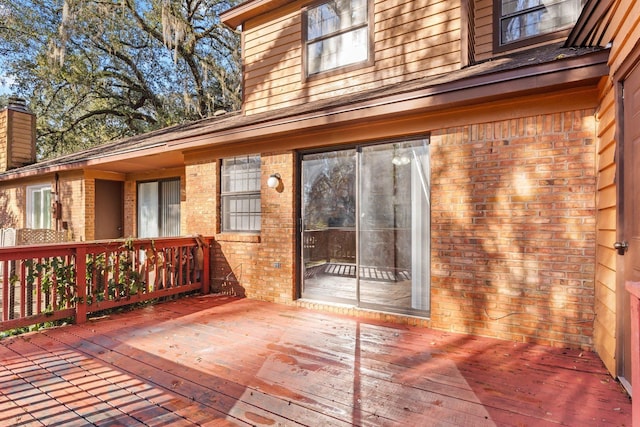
(130, 208)
(513, 231)
(73, 196)
(513, 223)
(12, 202)
(90, 208)
(201, 194)
(260, 266)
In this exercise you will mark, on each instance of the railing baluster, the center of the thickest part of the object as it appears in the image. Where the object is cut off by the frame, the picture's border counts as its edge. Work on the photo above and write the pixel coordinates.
(81, 284)
(5, 291)
(54, 290)
(23, 291)
(65, 278)
(38, 281)
(107, 268)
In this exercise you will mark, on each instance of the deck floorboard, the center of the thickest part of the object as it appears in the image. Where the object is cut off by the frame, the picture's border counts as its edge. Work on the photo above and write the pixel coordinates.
(222, 361)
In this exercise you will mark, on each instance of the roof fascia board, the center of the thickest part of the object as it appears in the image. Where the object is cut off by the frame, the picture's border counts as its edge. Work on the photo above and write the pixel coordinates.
(241, 13)
(83, 163)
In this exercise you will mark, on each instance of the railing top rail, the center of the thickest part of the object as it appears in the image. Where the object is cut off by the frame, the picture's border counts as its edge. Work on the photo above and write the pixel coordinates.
(69, 248)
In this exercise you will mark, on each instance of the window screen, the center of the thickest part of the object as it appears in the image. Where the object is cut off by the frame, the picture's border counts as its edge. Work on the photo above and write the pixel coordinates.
(240, 192)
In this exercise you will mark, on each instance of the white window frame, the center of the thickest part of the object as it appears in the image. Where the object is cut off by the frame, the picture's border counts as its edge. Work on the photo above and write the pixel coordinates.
(240, 198)
(45, 218)
(158, 208)
(330, 40)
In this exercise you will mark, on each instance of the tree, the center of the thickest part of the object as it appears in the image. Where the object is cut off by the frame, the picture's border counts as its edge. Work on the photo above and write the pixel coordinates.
(97, 70)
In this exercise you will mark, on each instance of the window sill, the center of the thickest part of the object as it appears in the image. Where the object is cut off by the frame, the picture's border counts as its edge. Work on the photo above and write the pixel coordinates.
(238, 237)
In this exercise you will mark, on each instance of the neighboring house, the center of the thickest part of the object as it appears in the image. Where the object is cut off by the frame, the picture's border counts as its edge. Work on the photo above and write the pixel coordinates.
(455, 164)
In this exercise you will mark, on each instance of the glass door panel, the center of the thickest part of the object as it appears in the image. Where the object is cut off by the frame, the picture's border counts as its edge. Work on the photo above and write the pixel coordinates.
(328, 226)
(366, 226)
(394, 226)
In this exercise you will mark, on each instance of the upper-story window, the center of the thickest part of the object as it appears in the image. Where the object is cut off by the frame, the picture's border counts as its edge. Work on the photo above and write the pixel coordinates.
(523, 22)
(240, 193)
(336, 34)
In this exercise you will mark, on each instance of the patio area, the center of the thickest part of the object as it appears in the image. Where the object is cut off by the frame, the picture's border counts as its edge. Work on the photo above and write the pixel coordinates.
(219, 360)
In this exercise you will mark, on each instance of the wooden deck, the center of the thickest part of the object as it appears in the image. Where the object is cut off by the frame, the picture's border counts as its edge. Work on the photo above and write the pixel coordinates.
(218, 360)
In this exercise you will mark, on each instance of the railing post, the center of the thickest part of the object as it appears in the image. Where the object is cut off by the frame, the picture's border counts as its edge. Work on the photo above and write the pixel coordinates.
(634, 290)
(206, 252)
(81, 284)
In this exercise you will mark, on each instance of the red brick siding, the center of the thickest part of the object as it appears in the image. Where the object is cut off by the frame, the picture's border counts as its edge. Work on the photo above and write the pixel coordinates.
(12, 206)
(74, 192)
(513, 229)
(201, 191)
(258, 265)
(130, 207)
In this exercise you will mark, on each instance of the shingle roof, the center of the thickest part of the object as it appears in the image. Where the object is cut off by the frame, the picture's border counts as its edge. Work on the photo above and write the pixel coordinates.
(161, 139)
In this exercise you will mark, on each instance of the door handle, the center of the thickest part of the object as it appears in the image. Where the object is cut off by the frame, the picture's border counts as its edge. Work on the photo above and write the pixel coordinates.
(621, 247)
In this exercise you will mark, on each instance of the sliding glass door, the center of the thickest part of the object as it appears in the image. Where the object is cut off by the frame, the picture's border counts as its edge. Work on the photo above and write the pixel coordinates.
(159, 208)
(365, 226)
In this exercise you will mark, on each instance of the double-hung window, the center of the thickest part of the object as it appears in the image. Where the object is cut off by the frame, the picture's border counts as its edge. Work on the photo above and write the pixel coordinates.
(524, 21)
(39, 206)
(336, 34)
(240, 193)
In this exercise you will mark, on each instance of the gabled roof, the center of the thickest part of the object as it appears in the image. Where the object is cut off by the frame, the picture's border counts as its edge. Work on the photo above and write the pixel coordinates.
(537, 70)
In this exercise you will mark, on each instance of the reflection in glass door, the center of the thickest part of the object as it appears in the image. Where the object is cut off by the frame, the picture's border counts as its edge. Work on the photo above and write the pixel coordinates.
(329, 226)
(365, 226)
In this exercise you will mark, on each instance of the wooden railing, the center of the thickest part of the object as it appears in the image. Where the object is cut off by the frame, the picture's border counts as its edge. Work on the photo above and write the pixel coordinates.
(51, 282)
(330, 244)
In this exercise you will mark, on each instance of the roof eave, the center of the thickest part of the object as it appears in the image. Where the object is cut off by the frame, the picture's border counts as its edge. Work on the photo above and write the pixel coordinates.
(539, 78)
(238, 15)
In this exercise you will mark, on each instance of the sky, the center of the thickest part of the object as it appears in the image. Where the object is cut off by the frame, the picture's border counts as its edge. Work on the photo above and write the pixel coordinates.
(5, 83)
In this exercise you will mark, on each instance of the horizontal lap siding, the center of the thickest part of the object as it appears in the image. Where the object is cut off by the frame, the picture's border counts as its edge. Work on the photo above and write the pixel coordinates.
(3, 139)
(605, 280)
(624, 32)
(412, 39)
(22, 151)
(17, 130)
(483, 29)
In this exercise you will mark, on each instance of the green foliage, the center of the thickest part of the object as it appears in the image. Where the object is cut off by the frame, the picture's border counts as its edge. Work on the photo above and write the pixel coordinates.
(97, 71)
(54, 274)
(117, 272)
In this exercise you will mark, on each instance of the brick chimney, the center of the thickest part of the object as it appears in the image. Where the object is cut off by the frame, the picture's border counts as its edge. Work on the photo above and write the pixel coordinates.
(17, 135)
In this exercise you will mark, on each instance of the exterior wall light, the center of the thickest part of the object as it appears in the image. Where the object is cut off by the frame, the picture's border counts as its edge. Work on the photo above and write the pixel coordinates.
(274, 180)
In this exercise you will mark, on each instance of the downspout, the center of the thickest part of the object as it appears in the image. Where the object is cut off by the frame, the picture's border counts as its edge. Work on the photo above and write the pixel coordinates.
(56, 202)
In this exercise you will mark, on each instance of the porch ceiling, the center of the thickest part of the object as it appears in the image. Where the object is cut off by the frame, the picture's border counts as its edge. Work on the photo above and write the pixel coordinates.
(129, 164)
(227, 361)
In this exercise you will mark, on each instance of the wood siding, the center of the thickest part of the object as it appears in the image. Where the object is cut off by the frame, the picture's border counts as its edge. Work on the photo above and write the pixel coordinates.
(17, 139)
(412, 39)
(22, 139)
(624, 32)
(606, 201)
(484, 29)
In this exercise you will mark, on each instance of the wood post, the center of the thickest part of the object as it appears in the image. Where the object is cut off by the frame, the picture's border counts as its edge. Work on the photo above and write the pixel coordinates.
(81, 284)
